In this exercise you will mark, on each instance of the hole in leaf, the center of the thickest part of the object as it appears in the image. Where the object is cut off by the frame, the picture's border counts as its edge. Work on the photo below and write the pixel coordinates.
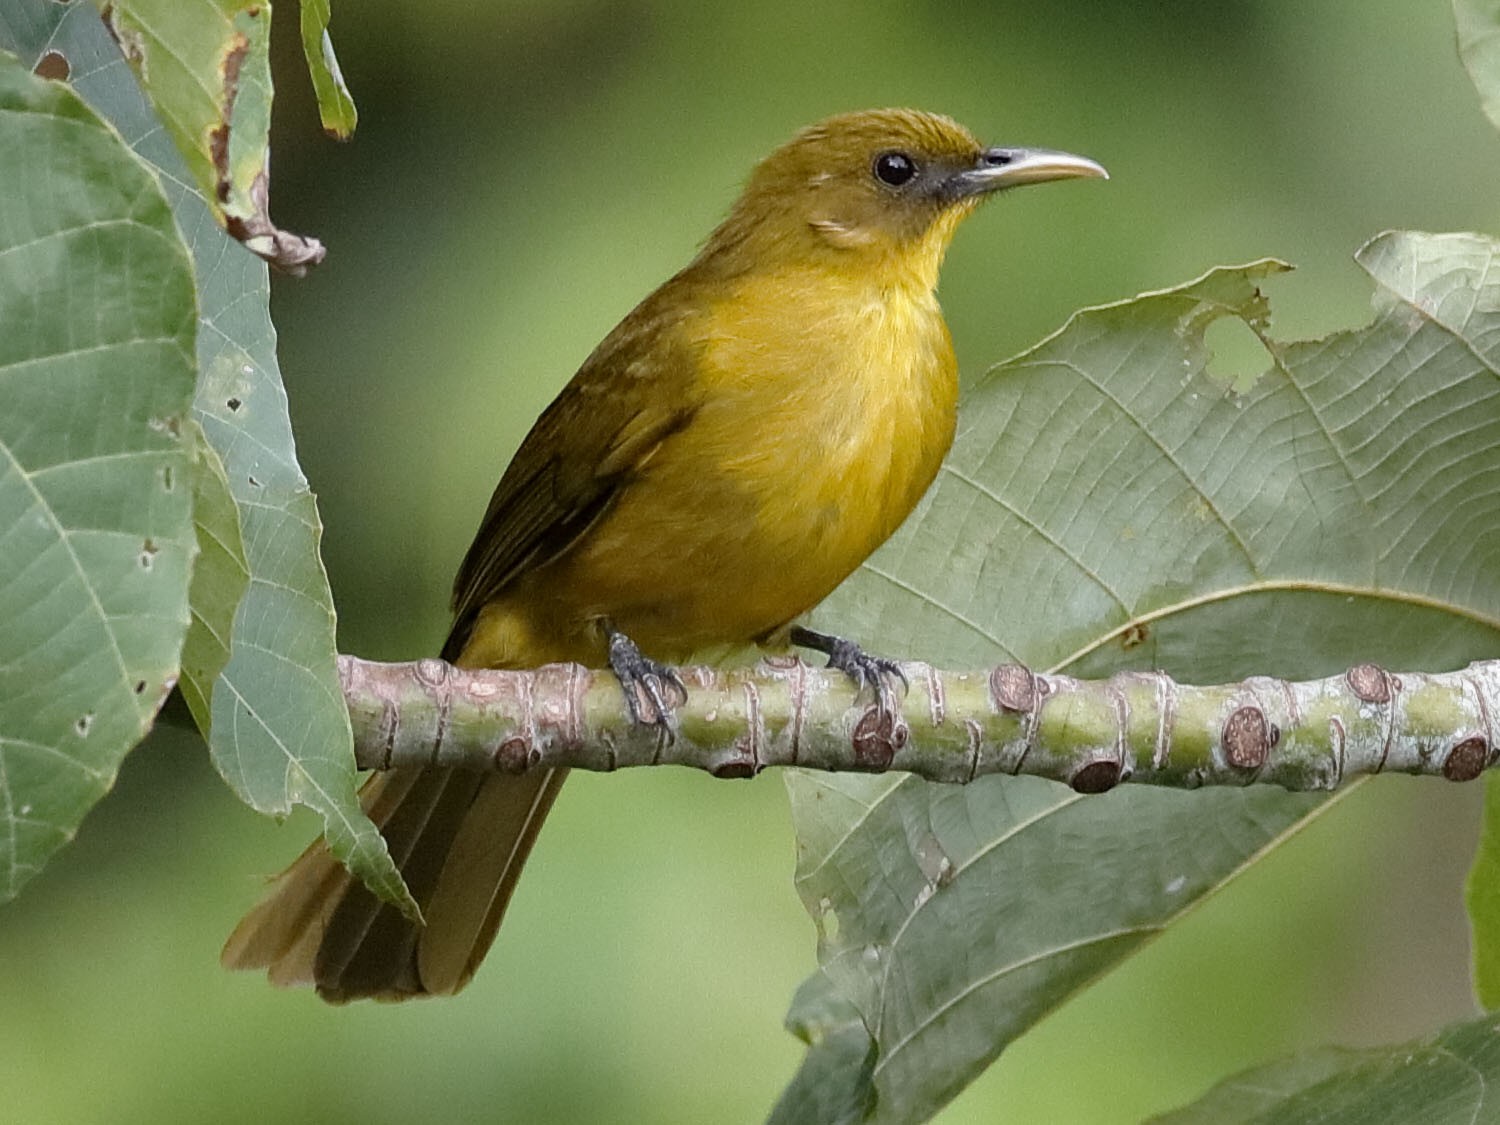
(827, 921)
(166, 478)
(83, 724)
(253, 482)
(148, 554)
(53, 65)
(1237, 358)
(233, 404)
(140, 687)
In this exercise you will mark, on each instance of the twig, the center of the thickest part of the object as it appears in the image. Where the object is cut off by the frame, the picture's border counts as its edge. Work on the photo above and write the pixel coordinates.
(953, 726)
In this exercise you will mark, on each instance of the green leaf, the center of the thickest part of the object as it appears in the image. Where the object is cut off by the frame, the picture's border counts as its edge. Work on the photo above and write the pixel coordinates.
(1444, 1080)
(1110, 504)
(220, 577)
(955, 917)
(335, 103)
(833, 1085)
(206, 66)
(1479, 47)
(96, 382)
(280, 730)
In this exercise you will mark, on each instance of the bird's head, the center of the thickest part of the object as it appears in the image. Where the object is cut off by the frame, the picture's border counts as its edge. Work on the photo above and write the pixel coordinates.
(878, 184)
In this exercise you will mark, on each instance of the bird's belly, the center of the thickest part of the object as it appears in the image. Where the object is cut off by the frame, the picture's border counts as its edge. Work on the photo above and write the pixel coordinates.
(744, 522)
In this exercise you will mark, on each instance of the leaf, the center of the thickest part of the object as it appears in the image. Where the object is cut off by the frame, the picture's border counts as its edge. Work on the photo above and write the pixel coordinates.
(335, 103)
(1479, 46)
(1448, 1079)
(280, 730)
(220, 577)
(961, 915)
(206, 66)
(833, 1086)
(96, 381)
(1110, 504)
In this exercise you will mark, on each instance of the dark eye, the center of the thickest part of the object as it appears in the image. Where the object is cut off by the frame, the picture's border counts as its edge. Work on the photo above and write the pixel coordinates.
(894, 168)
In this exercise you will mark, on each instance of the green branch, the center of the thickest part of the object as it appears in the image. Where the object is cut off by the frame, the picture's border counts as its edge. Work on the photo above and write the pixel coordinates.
(953, 726)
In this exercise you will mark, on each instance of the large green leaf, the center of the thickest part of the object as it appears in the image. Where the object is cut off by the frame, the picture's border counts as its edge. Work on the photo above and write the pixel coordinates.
(206, 66)
(1479, 46)
(1110, 504)
(280, 731)
(96, 383)
(1444, 1080)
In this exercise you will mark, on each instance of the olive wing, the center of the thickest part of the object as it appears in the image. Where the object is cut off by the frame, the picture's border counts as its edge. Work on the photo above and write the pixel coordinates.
(631, 394)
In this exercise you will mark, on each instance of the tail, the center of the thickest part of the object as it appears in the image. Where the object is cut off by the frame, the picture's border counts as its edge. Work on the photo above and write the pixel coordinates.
(460, 840)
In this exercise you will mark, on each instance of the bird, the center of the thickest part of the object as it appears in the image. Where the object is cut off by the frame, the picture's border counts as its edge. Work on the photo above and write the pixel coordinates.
(732, 450)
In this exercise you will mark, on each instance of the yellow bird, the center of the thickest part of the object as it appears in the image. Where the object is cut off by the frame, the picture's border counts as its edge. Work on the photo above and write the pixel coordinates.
(739, 443)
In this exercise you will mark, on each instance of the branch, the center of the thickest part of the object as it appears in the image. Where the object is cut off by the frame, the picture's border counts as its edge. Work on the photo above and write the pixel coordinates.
(954, 726)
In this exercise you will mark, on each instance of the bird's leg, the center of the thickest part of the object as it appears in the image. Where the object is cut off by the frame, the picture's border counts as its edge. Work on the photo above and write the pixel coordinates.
(640, 676)
(864, 669)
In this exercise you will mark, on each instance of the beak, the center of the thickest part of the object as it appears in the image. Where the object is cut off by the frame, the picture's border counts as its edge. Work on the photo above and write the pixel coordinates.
(999, 168)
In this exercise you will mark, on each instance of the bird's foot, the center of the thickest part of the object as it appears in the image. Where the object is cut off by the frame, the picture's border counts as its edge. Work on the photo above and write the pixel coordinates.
(646, 683)
(865, 670)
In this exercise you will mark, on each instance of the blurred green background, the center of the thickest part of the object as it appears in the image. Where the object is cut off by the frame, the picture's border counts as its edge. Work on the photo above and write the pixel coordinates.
(524, 172)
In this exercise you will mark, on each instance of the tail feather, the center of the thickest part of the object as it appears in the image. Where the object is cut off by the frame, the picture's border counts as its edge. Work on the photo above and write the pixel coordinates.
(468, 916)
(368, 946)
(460, 841)
(294, 913)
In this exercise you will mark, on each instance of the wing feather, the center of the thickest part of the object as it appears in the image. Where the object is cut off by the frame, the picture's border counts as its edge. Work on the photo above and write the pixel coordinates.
(632, 393)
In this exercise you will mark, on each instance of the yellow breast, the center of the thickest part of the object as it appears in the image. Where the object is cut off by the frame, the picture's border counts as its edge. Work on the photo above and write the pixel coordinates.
(834, 419)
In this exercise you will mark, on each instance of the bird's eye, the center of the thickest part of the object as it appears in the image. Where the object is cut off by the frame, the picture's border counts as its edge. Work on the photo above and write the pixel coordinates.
(894, 168)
